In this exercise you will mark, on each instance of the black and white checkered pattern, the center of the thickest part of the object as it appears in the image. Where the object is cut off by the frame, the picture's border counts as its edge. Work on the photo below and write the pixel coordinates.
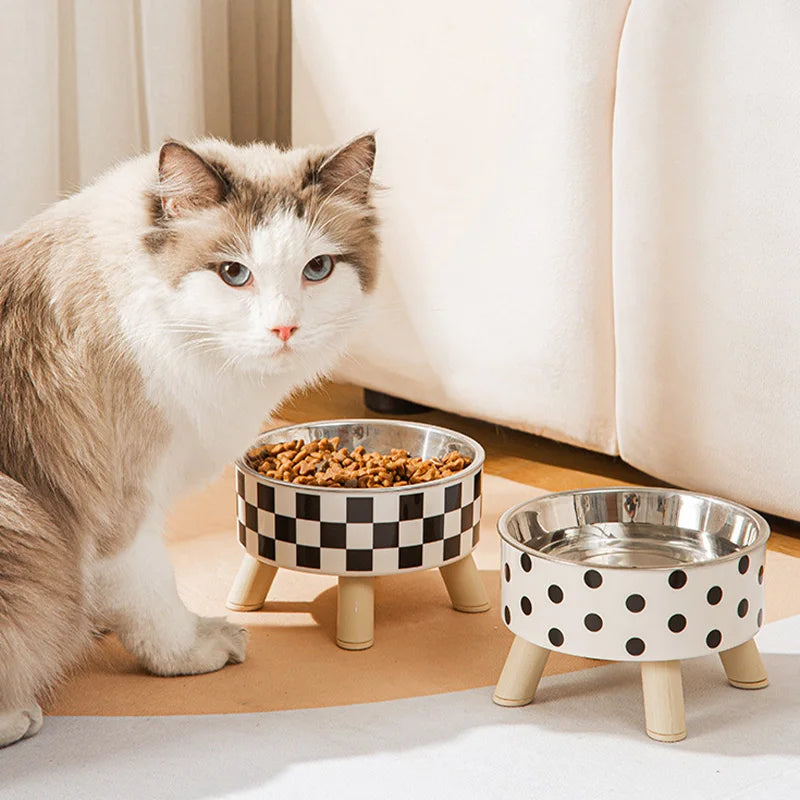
(341, 532)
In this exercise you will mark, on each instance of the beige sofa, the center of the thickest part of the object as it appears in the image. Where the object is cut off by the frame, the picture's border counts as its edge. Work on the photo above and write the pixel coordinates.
(592, 222)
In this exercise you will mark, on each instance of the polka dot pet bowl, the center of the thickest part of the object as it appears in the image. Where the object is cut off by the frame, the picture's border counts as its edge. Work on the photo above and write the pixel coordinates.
(650, 575)
(357, 534)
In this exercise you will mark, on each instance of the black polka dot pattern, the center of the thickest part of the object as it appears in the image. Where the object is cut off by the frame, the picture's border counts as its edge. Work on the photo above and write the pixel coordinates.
(635, 646)
(555, 593)
(556, 637)
(593, 622)
(677, 579)
(742, 608)
(635, 603)
(677, 623)
(714, 595)
(677, 613)
(593, 579)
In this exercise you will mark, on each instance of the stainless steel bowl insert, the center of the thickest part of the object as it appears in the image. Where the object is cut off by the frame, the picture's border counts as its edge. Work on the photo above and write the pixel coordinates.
(352, 531)
(381, 435)
(633, 528)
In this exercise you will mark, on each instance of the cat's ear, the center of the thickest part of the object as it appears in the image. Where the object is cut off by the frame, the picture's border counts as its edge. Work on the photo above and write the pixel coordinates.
(348, 170)
(186, 180)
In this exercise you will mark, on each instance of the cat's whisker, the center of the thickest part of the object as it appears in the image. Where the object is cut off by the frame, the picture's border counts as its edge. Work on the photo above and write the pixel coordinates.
(329, 222)
(152, 328)
(227, 364)
(195, 348)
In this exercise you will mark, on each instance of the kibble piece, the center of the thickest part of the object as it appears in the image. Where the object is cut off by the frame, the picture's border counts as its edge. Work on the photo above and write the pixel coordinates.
(323, 463)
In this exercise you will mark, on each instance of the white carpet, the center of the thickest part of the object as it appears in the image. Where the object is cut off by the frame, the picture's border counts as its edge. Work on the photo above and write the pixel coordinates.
(583, 738)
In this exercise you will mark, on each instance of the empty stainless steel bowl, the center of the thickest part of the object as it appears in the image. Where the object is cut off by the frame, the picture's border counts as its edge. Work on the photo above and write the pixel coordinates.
(633, 574)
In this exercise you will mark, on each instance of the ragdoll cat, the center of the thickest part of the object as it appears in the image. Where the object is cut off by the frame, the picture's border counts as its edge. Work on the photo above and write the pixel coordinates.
(148, 326)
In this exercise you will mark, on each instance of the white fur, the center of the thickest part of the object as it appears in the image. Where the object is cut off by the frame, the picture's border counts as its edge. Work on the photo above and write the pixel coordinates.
(138, 599)
(208, 354)
(21, 723)
(216, 371)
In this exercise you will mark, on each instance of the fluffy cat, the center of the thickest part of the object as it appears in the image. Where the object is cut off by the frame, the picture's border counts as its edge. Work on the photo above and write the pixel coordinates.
(148, 325)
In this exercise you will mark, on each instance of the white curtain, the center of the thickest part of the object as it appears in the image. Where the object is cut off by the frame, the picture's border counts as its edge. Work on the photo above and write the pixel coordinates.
(87, 83)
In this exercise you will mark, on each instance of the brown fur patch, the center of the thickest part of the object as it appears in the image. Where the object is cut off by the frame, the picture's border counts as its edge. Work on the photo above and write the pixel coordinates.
(77, 442)
(76, 430)
(157, 239)
(329, 189)
(39, 563)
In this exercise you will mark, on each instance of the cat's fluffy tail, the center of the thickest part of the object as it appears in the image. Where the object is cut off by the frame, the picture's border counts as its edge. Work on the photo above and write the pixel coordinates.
(44, 626)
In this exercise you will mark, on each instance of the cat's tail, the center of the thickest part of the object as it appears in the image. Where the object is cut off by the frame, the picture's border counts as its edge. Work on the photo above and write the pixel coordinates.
(44, 626)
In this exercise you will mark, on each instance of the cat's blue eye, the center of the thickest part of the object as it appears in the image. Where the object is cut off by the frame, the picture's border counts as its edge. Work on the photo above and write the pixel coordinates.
(234, 273)
(318, 268)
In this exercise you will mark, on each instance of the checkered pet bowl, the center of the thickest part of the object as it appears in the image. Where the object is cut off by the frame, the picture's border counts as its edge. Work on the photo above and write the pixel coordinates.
(361, 532)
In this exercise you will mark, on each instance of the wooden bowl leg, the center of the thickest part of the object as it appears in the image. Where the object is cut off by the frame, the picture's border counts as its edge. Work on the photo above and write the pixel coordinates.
(521, 673)
(744, 667)
(464, 585)
(355, 613)
(251, 585)
(663, 700)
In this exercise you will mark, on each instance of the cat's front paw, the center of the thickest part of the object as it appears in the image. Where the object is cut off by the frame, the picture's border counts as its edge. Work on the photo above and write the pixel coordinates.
(217, 643)
(21, 723)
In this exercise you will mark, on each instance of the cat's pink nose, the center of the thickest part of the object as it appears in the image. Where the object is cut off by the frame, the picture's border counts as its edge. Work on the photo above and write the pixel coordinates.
(284, 332)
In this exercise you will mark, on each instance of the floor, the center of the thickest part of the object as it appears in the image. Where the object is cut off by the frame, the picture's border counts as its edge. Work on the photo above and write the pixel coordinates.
(416, 708)
(515, 455)
(293, 634)
(582, 738)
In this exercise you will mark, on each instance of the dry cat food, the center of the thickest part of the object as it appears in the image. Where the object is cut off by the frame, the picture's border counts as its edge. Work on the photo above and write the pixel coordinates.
(323, 463)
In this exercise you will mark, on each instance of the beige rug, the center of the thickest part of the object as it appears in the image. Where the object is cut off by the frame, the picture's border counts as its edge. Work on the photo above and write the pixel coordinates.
(422, 647)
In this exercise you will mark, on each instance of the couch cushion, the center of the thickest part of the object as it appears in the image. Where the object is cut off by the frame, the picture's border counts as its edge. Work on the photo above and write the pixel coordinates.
(494, 128)
(707, 247)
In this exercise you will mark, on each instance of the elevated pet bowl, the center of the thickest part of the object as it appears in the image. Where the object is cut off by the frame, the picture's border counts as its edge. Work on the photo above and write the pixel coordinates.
(357, 534)
(625, 574)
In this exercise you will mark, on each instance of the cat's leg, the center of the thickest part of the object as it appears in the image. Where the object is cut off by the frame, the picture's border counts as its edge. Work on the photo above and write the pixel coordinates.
(138, 599)
(43, 625)
(21, 723)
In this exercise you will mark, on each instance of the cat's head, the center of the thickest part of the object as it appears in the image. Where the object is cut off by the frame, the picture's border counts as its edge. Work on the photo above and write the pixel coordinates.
(263, 260)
